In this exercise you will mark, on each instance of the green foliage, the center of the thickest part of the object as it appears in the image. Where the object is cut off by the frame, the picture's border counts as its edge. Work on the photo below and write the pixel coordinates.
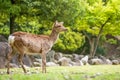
(37, 16)
(101, 50)
(69, 42)
(62, 10)
(112, 41)
(96, 14)
(4, 30)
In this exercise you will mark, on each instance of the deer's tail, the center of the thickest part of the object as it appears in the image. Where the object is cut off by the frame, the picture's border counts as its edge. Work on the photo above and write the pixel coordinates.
(11, 39)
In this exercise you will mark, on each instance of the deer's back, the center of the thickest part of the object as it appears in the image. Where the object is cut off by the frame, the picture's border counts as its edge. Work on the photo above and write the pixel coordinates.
(30, 43)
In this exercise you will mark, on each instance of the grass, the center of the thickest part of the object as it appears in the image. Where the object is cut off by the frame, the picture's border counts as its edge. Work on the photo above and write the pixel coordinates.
(97, 72)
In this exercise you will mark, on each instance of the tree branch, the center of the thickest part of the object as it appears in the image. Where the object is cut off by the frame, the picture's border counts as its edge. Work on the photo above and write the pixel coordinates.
(99, 35)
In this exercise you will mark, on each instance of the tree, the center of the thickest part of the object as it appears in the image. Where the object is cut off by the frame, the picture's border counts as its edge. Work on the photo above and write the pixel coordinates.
(91, 18)
(99, 21)
(36, 17)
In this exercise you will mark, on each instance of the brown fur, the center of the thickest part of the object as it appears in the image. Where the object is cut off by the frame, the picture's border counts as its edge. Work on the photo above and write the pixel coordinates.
(27, 43)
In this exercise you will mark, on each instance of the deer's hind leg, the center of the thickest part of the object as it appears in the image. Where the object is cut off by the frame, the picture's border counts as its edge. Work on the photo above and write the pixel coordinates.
(9, 58)
(21, 62)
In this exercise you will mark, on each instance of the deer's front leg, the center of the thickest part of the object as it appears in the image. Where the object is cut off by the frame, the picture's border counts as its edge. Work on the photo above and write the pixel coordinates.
(43, 62)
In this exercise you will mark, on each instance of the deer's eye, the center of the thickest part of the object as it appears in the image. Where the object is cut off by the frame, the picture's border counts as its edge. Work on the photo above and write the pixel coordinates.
(59, 26)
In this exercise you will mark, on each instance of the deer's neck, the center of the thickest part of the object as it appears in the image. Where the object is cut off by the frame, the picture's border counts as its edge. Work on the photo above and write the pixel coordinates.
(53, 36)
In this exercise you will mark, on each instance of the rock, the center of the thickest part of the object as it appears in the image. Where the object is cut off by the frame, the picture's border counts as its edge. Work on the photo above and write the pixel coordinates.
(75, 57)
(108, 62)
(58, 55)
(118, 60)
(5, 49)
(32, 59)
(85, 60)
(77, 63)
(81, 63)
(26, 67)
(74, 63)
(2, 62)
(115, 62)
(68, 56)
(96, 61)
(38, 60)
(26, 60)
(2, 39)
(112, 57)
(81, 56)
(103, 58)
(12, 65)
(50, 56)
(64, 61)
(49, 64)
(36, 64)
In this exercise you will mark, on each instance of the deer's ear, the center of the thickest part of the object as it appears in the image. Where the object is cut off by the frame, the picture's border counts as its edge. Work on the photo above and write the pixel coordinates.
(62, 22)
(56, 22)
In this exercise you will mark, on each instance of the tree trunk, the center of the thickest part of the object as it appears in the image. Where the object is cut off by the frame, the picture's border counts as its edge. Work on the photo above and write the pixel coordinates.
(91, 43)
(94, 42)
(92, 46)
(98, 37)
(12, 19)
(12, 23)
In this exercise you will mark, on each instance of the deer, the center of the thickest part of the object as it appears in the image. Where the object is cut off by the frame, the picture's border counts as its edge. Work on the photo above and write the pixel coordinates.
(32, 44)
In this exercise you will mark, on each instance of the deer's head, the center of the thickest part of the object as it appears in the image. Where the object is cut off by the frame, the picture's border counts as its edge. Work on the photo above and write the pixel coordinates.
(59, 27)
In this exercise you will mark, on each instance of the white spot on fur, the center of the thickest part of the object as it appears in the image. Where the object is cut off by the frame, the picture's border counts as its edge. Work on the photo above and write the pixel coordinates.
(11, 39)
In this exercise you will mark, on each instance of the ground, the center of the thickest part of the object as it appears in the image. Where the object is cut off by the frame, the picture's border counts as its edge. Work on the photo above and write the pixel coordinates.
(97, 72)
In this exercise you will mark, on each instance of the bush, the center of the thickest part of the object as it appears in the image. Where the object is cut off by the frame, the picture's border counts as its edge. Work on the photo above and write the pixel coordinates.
(69, 42)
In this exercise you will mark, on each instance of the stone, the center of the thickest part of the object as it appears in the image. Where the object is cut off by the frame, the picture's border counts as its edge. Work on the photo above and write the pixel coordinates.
(103, 58)
(58, 55)
(26, 67)
(49, 64)
(81, 56)
(108, 62)
(96, 61)
(118, 60)
(2, 62)
(85, 60)
(36, 64)
(50, 56)
(115, 62)
(38, 60)
(81, 63)
(74, 63)
(77, 63)
(26, 60)
(12, 65)
(75, 57)
(5, 49)
(2, 39)
(64, 61)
